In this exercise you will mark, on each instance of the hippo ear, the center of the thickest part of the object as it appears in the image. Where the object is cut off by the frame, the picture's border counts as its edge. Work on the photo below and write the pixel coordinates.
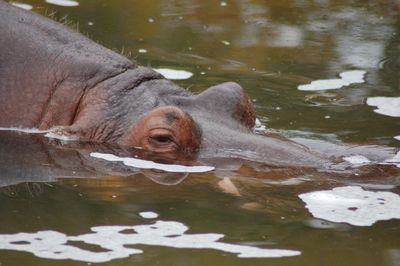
(165, 130)
(229, 99)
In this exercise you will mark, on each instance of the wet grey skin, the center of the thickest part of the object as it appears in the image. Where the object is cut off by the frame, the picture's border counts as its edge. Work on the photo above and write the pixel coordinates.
(52, 76)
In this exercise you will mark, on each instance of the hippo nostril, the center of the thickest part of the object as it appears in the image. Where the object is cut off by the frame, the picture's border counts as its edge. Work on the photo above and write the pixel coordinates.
(231, 100)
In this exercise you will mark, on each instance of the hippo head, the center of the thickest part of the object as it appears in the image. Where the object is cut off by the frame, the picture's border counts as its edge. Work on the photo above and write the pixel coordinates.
(217, 123)
(185, 124)
(159, 117)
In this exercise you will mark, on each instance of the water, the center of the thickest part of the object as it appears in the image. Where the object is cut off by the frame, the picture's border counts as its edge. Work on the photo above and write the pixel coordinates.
(270, 48)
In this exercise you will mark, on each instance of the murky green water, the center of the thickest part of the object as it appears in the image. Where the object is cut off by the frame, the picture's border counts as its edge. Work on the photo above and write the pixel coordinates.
(269, 47)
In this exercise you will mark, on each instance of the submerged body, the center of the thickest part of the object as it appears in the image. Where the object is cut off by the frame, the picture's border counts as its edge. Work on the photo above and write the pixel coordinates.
(54, 78)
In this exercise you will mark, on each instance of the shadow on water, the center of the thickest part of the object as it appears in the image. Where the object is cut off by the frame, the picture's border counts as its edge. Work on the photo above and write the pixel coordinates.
(270, 48)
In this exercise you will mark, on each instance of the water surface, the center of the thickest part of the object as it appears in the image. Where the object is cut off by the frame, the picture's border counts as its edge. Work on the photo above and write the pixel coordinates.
(270, 48)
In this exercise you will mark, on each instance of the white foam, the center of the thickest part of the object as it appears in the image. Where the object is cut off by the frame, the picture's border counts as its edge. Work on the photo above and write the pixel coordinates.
(52, 135)
(346, 78)
(24, 130)
(395, 160)
(385, 105)
(357, 160)
(224, 42)
(48, 133)
(259, 127)
(63, 2)
(118, 241)
(352, 205)
(288, 182)
(174, 74)
(258, 123)
(23, 6)
(143, 164)
(148, 215)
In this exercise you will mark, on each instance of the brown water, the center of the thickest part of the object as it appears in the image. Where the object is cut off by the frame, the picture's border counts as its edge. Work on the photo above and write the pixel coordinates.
(269, 47)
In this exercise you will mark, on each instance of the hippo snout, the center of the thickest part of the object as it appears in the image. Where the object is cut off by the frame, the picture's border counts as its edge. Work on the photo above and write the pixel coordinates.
(228, 100)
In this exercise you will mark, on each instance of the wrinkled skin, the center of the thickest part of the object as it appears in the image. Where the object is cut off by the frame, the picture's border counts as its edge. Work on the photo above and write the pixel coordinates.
(54, 78)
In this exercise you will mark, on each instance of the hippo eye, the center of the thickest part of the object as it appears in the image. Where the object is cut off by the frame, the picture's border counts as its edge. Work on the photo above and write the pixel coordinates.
(162, 139)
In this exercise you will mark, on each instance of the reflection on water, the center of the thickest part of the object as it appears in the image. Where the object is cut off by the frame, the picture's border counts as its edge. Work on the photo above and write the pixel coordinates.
(270, 48)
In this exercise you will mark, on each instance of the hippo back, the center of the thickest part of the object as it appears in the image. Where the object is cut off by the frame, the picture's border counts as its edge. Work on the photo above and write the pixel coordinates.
(43, 64)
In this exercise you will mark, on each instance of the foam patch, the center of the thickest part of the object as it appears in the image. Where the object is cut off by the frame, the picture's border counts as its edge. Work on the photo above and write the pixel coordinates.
(357, 160)
(24, 130)
(346, 78)
(69, 3)
(259, 127)
(174, 74)
(48, 133)
(23, 6)
(117, 242)
(352, 205)
(52, 135)
(148, 215)
(143, 164)
(289, 182)
(389, 106)
(395, 160)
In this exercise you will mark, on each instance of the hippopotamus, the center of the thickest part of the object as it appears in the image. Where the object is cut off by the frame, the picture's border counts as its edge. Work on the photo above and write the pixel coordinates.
(53, 78)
